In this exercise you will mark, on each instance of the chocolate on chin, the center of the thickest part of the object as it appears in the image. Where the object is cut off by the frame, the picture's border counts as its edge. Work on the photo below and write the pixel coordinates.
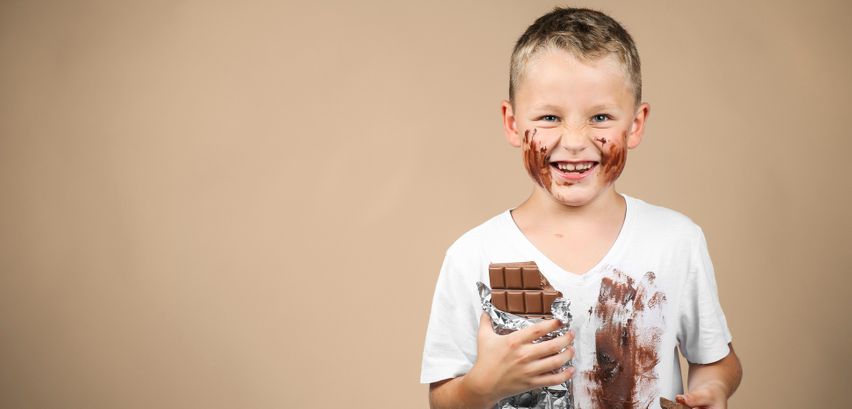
(521, 289)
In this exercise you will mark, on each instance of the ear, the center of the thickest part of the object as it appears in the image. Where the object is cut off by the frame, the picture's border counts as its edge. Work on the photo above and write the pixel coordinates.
(637, 128)
(510, 127)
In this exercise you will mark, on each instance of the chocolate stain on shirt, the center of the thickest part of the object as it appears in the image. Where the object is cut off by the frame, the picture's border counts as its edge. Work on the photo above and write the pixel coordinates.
(626, 352)
(535, 160)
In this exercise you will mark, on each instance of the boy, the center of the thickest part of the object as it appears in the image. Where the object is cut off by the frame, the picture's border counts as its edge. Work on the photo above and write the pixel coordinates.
(638, 276)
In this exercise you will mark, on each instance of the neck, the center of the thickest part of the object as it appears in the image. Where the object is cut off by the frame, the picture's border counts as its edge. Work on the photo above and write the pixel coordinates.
(549, 211)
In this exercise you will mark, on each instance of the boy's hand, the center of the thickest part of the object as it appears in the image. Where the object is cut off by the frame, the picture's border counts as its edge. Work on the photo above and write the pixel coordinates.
(706, 396)
(510, 364)
(710, 385)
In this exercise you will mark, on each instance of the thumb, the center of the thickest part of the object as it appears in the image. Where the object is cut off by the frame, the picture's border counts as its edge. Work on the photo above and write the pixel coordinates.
(485, 329)
(694, 399)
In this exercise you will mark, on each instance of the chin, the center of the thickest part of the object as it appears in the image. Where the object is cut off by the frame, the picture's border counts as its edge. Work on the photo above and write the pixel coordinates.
(574, 199)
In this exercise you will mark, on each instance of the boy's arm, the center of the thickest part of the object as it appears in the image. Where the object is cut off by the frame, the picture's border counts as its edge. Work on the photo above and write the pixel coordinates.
(710, 385)
(453, 393)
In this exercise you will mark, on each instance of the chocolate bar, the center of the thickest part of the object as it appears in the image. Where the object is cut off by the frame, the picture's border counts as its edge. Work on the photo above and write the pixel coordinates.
(667, 404)
(521, 289)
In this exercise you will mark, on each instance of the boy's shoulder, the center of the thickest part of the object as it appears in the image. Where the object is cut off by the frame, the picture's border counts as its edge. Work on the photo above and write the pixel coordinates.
(663, 222)
(480, 232)
(660, 215)
(485, 237)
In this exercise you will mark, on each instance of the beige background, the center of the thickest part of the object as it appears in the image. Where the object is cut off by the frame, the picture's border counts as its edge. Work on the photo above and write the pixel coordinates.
(246, 204)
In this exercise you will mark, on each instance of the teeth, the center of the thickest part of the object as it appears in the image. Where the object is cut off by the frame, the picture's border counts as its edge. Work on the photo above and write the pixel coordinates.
(574, 167)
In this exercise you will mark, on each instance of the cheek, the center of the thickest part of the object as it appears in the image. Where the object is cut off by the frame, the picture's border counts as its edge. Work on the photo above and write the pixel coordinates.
(536, 160)
(614, 159)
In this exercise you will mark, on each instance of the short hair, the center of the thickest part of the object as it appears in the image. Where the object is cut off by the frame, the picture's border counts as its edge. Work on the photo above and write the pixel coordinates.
(585, 33)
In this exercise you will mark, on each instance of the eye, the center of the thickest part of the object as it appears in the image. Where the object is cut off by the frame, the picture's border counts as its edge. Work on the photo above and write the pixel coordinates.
(601, 118)
(545, 117)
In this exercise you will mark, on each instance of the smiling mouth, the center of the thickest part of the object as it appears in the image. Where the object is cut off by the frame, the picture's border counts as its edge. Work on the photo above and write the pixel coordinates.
(577, 168)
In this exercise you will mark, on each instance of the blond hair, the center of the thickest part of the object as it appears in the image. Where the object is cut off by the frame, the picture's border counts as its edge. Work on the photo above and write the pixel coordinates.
(587, 34)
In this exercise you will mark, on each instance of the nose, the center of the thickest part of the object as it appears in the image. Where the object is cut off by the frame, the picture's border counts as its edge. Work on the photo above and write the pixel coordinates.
(573, 140)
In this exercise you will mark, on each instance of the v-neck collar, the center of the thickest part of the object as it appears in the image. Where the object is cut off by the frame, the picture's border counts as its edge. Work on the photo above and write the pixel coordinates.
(545, 263)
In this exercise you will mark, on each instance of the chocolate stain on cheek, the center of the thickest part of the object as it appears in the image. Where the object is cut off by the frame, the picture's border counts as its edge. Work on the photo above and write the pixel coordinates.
(613, 159)
(535, 160)
(624, 364)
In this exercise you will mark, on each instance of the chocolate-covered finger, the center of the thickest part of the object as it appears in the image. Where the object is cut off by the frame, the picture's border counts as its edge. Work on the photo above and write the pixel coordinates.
(667, 404)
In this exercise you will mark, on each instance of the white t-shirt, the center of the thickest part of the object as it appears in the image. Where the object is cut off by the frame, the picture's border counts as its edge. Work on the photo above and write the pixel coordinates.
(653, 291)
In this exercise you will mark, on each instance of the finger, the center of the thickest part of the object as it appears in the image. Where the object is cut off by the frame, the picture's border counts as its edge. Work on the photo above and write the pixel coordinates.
(485, 328)
(682, 400)
(550, 364)
(552, 379)
(537, 331)
(695, 398)
(550, 347)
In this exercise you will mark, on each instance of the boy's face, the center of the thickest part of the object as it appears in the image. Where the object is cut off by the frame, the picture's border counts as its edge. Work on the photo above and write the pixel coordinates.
(575, 121)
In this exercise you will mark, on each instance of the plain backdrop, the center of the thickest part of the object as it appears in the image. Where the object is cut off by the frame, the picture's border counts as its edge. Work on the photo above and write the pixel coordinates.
(245, 204)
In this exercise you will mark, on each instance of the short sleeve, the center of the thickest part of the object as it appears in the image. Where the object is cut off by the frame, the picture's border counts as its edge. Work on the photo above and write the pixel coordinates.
(450, 347)
(703, 333)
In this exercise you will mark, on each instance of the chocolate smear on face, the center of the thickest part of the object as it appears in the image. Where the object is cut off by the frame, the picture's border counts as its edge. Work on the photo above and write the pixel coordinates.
(613, 160)
(626, 346)
(536, 160)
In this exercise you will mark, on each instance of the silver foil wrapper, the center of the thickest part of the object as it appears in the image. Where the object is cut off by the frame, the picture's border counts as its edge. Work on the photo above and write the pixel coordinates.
(551, 397)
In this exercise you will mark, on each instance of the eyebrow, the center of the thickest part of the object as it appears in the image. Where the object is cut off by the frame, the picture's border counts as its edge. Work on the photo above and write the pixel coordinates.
(599, 107)
(547, 107)
(605, 107)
